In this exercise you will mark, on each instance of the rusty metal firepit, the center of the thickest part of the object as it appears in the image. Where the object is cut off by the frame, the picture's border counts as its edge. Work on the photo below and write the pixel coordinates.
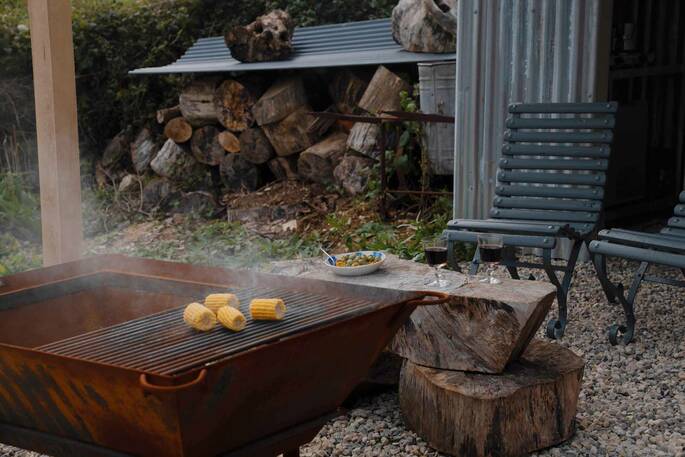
(95, 359)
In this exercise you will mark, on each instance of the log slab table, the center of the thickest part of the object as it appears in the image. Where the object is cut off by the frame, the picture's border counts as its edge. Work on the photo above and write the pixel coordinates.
(481, 329)
(529, 407)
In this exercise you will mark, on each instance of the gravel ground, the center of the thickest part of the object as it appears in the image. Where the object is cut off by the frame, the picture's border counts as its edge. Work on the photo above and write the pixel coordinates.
(632, 402)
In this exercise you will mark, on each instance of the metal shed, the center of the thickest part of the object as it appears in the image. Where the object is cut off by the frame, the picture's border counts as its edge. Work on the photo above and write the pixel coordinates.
(631, 51)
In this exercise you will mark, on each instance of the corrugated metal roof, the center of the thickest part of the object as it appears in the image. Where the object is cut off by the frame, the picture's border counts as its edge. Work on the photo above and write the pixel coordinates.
(338, 45)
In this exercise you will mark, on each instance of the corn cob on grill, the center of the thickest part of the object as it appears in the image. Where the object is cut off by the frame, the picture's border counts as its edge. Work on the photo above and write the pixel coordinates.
(272, 309)
(215, 301)
(199, 317)
(231, 318)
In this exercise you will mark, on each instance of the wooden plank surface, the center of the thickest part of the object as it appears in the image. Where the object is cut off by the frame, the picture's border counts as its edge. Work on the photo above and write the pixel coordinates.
(56, 126)
(481, 329)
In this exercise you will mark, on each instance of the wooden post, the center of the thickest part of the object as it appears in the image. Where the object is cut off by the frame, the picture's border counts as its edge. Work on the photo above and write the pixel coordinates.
(56, 125)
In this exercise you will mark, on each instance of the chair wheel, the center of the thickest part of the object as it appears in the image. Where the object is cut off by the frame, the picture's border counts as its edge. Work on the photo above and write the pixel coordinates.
(555, 329)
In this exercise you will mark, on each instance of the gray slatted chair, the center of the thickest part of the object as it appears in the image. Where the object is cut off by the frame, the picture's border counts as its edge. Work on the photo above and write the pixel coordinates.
(550, 185)
(665, 248)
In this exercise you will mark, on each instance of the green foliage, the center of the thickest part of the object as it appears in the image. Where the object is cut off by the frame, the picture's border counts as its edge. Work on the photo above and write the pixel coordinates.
(112, 37)
(19, 208)
(17, 255)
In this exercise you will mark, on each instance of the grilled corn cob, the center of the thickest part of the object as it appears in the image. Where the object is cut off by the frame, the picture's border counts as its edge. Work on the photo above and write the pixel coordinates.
(199, 317)
(231, 318)
(270, 309)
(216, 301)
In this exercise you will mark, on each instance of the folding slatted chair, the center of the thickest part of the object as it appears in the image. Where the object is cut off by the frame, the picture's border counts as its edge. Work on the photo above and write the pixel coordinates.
(550, 185)
(665, 248)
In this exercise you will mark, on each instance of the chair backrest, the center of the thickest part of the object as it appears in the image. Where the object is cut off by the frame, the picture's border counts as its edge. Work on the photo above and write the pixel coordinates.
(676, 224)
(554, 162)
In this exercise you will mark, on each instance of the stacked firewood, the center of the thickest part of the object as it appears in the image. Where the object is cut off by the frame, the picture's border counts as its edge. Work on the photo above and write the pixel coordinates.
(235, 135)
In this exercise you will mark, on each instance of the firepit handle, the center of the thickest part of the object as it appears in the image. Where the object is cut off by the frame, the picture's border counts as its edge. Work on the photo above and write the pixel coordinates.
(440, 298)
(145, 384)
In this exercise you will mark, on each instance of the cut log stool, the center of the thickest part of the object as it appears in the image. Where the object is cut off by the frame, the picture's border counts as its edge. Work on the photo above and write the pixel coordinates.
(532, 405)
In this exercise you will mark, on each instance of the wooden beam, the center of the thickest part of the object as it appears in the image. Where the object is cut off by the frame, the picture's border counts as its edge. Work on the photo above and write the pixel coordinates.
(56, 125)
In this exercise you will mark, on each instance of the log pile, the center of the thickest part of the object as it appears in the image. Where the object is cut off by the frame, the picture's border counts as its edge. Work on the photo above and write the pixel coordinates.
(237, 134)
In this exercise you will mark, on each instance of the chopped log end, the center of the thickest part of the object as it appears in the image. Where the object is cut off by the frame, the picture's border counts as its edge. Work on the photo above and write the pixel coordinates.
(255, 146)
(229, 142)
(383, 92)
(196, 102)
(178, 130)
(143, 150)
(363, 138)
(233, 103)
(317, 162)
(206, 147)
(176, 163)
(529, 407)
(289, 136)
(280, 100)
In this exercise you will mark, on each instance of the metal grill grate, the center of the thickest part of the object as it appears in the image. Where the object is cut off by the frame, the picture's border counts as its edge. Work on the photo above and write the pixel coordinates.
(162, 344)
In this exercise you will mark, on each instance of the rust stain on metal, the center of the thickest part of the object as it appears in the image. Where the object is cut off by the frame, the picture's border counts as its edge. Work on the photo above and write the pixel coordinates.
(96, 324)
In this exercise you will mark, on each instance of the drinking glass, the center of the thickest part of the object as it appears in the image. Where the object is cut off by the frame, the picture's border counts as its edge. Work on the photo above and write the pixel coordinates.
(436, 256)
(490, 248)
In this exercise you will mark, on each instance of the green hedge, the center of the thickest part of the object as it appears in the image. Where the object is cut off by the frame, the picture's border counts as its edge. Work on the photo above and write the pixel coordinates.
(114, 36)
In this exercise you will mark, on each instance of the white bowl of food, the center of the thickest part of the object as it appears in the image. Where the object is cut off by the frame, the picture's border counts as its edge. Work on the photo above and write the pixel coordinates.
(356, 263)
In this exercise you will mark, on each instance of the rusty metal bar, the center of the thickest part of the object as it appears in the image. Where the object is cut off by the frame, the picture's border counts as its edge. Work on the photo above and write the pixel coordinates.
(420, 117)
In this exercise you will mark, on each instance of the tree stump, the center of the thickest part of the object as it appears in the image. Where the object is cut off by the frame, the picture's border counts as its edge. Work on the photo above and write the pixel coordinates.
(229, 142)
(318, 161)
(279, 100)
(474, 331)
(143, 150)
(237, 174)
(425, 25)
(178, 130)
(283, 168)
(289, 136)
(255, 146)
(529, 407)
(206, 147)
(196, 102)
(268, 38)
(352, 174)
(233, 102)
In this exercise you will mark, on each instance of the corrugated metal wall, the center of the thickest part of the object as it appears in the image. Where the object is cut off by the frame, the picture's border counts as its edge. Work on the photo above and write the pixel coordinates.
(518, 51)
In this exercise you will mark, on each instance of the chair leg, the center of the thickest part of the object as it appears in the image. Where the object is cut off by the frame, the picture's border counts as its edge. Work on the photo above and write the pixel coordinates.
(600, 263)
(556, 327)
(510, 254)
(475, 263)
(625, 333)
